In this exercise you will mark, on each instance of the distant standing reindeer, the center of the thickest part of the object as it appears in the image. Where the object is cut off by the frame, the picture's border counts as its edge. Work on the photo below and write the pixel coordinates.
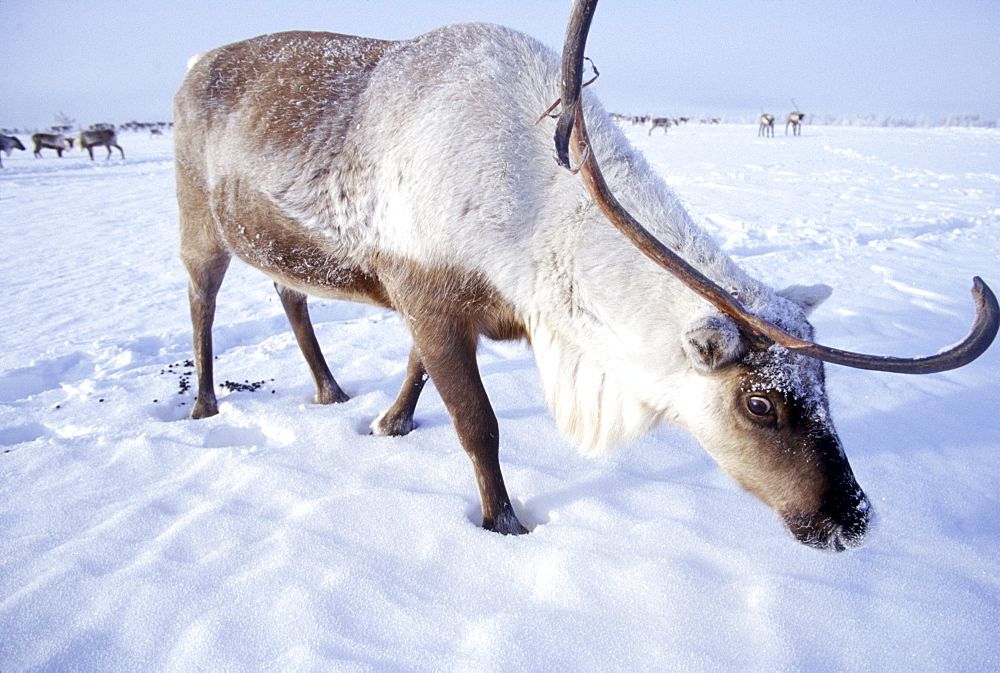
(106, 137)
(766, 125)
(8, 144)
(795, 120)
(661, 123)
(52, 141)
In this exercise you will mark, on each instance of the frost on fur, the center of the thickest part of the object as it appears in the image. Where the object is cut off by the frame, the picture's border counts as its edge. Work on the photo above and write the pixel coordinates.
(193, 61)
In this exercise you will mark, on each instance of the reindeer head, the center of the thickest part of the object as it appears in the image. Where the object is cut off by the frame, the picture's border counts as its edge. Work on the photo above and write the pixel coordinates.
(762, 413)
(757, 401)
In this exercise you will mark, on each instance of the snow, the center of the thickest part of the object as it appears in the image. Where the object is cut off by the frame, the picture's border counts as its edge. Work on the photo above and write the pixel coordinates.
(280, 535)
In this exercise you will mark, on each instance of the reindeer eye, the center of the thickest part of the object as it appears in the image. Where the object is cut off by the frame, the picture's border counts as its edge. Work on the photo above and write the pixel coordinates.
(759, 406)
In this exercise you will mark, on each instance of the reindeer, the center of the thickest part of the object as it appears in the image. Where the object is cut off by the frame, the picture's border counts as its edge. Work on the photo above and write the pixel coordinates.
(766, 125)
(795, 120)
(53, 141)
(660, 123)
(98, 137)
(8, 144)
(417, 179)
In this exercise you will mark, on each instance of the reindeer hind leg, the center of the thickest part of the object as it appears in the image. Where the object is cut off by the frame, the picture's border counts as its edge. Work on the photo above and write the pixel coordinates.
(297, 310)
(398, 419)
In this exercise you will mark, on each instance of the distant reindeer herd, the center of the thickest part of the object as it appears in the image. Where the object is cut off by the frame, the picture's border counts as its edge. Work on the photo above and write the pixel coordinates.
(765, 128)
(98, 135)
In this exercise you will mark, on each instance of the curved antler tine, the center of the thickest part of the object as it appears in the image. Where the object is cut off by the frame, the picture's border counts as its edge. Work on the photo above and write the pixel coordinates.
(984, 331)
(572, 74)
(571, 134)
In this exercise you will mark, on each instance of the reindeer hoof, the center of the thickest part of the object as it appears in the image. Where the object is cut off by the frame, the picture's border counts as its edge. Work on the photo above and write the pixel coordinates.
(392, 426)
(330, 395)
(204, 409)
(506, 524)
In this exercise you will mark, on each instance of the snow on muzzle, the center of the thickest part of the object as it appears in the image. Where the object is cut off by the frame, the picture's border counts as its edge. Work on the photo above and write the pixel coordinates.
(839, 525)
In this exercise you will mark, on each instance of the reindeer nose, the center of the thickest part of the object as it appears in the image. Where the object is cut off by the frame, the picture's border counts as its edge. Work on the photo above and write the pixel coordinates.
(836, 528)
(853, 525)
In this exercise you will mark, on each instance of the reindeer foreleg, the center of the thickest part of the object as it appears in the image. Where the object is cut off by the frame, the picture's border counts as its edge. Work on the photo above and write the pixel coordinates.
(206, 279)
(448, 351)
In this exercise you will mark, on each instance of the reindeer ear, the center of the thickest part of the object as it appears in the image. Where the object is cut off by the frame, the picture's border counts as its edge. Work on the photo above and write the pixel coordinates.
(712, 341)
(807, 297)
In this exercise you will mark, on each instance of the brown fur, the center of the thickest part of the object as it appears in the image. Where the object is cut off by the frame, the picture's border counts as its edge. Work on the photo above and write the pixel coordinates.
(235, 77)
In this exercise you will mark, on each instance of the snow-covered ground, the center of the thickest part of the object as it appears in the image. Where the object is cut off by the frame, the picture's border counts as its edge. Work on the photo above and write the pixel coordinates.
(279, 535)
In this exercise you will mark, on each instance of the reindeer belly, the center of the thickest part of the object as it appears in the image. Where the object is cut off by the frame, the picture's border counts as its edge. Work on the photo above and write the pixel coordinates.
(259, 233)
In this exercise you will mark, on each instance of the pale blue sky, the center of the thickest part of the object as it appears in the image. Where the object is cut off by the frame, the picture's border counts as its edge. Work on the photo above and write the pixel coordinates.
(117, 60)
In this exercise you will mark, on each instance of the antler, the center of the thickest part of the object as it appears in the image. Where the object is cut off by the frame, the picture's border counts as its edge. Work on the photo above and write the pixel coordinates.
(572, 75)
(571, 133)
